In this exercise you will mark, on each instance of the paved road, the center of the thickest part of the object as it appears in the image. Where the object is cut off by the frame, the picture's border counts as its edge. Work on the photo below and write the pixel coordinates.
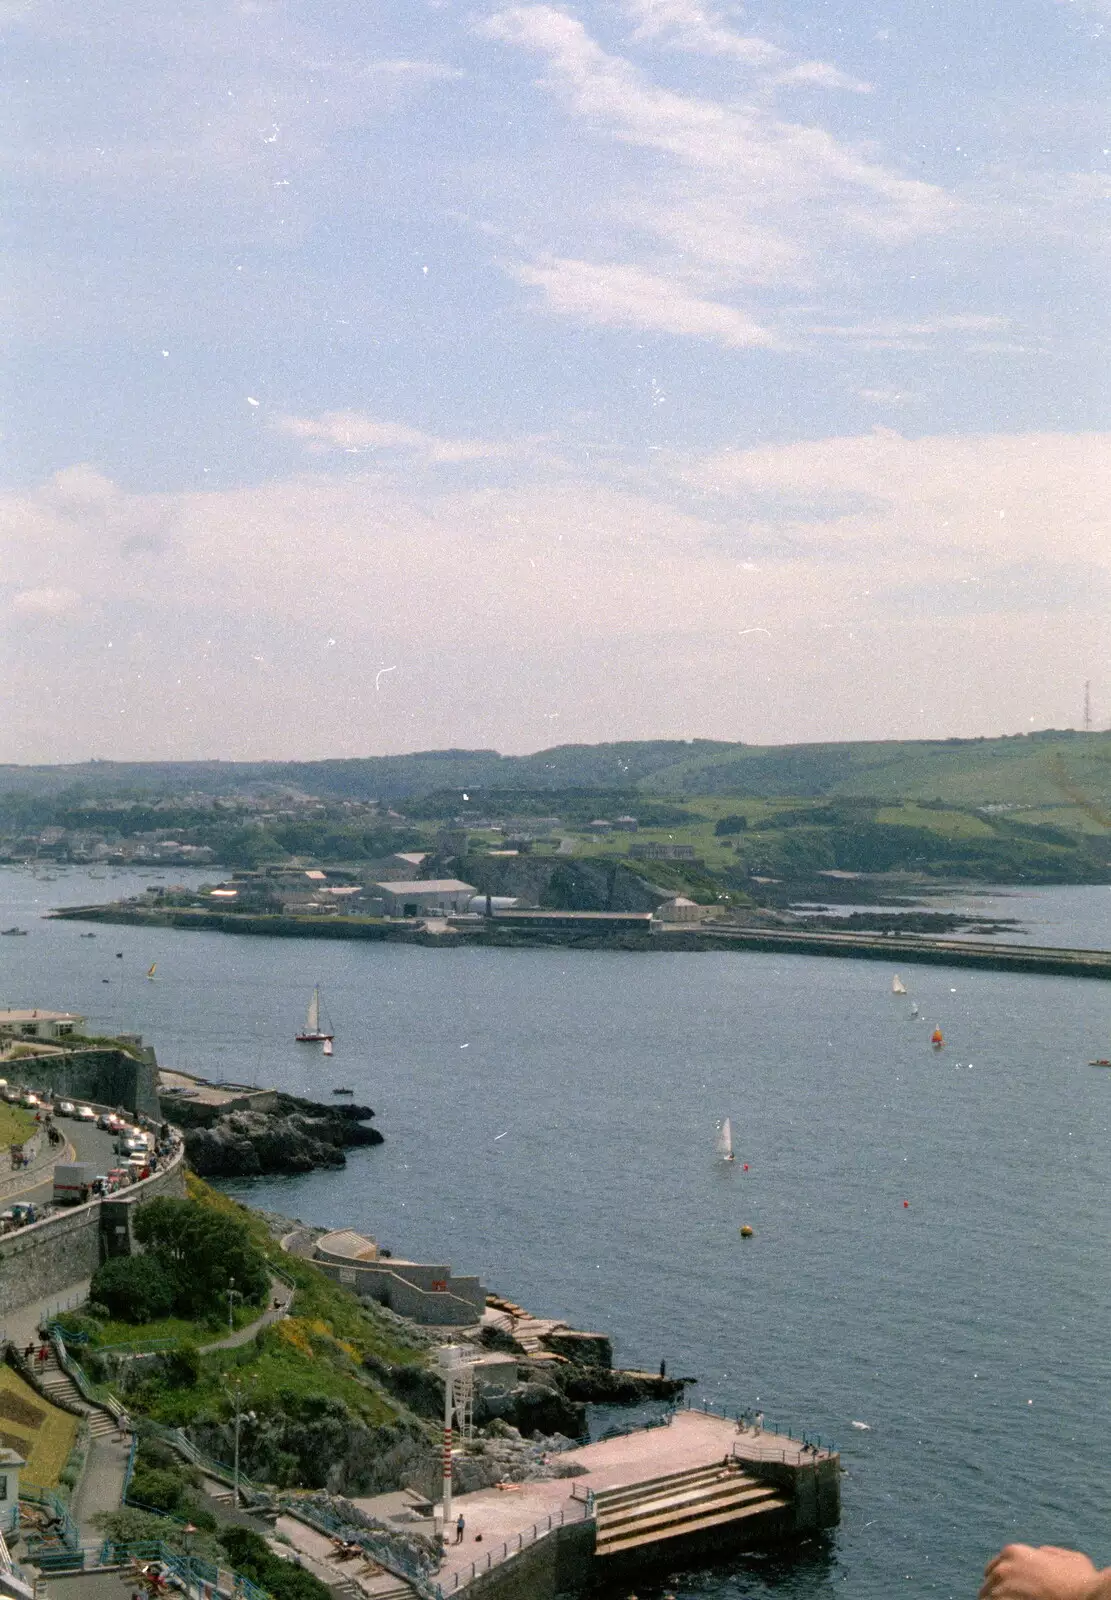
(87, 1143)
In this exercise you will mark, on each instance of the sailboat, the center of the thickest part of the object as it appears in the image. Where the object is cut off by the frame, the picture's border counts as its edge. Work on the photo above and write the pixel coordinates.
(152, 969)
(937, 1038)
(897, 985)
(725, 1141)
(915, 1014)
(313, 1033)
(326, 1047)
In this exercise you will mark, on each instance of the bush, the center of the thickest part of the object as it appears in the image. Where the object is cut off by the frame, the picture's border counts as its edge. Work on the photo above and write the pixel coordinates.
(135, 1288)
(249, 1554)
(202, 1251)
(736, 824)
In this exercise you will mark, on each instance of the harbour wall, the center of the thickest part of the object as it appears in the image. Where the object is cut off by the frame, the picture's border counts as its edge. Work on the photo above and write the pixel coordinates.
(902, 948)
(64, 1249)
(103, 1075)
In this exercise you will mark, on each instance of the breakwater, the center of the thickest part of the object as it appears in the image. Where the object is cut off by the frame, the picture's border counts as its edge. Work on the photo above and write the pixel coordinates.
(586, 931)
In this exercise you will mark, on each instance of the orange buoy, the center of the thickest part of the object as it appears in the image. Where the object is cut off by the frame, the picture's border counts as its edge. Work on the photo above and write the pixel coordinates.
(746, 1232)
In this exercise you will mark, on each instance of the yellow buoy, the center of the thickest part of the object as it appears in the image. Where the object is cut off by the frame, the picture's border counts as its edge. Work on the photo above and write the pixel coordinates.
(746, 1232)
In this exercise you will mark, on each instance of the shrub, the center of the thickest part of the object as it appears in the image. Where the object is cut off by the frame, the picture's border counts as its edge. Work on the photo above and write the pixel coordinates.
(249, 1554)
(202, 1250)
(135, 1288)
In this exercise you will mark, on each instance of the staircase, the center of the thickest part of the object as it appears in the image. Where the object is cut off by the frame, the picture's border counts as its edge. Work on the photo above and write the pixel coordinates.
(58, 1385)
(679, 1504)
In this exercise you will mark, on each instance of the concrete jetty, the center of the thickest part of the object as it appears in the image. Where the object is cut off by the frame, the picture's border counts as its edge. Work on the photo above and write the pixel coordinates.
(674, 1495)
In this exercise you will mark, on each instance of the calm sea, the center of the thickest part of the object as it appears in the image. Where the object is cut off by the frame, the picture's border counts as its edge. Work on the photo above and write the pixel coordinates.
(549, 1121)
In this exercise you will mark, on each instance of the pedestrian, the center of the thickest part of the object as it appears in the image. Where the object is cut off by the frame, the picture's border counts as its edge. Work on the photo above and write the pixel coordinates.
(30, 1350)
(758, 1426)
(459, 1526)
(44, 1354)
(663, 1369)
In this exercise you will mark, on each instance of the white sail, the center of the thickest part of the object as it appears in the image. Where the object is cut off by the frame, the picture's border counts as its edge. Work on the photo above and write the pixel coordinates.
(327, 1047)
(897, 985)
(312, 1015)
(725, 1140)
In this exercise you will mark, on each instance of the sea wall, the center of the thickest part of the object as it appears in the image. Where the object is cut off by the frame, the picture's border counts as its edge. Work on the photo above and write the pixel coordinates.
(64, 1249)
(106, 1076)
(559, 1563)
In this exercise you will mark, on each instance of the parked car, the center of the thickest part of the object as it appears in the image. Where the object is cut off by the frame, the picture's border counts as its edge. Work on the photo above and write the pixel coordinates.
(109, 1121)
(64, 1108)
(118, 1179)
(10, 1094)
(31, 1101)
(85, 1114)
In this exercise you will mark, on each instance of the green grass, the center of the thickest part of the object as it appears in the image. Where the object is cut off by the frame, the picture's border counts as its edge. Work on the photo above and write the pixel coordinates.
(46, 1446)
(16, 1125)
(950, 824)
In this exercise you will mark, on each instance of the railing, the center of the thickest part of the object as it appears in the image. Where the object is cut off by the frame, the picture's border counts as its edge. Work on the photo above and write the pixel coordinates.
(512, 1547)
(621, 1430)
(52, 1550)
(755, 1422)
(94, 1394)
(192, 1571)
(386, 1552)
(184, 1446)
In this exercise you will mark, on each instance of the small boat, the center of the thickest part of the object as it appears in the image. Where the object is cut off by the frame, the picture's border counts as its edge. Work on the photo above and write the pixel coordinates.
(326, 1047)
(897, 985)
(88, 936)
(13, 933)
(915, 1014)
(937, 1038)
(313, 1033)
(342, 1089)
(1100, 1063)
(152, 969)
(725, 1141)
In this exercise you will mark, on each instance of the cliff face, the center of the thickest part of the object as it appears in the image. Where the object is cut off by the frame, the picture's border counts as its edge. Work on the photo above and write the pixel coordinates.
(297, 1136)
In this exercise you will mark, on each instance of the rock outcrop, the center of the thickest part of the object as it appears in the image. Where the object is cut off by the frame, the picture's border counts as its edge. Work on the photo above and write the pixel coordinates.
(296, 1136)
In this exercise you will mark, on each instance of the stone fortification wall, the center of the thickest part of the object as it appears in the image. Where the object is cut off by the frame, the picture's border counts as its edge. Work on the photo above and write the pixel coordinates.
(49, 1256)
(408, 1288)
(105, 1076)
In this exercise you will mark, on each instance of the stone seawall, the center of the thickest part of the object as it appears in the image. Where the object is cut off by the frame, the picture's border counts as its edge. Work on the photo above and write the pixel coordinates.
(104, 1076)
(64, 1249)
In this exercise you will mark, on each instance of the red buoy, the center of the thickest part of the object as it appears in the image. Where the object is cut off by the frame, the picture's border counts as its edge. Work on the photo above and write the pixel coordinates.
(906, 1205)
(745, 1167)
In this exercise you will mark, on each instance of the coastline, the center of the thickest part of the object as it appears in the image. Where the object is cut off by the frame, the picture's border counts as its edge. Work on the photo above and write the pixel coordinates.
(588, 932)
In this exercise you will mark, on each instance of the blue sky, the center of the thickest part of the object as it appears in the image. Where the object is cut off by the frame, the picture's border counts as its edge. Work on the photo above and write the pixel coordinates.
(390, 376)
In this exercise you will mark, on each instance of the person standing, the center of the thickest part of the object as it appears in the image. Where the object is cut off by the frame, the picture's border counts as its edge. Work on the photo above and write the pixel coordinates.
(459, 1526)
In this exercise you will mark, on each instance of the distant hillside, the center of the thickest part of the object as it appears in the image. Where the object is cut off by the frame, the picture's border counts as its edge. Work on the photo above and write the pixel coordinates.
(1063, 771)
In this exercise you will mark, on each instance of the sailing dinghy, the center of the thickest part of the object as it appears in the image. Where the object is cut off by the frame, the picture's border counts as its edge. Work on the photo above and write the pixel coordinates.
(725, 1141)
(897, 985)
(313, 1033)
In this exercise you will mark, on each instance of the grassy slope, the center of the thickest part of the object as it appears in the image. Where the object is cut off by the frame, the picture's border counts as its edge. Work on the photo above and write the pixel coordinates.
(46, 1446)
(320, 1351)
(16, 1125)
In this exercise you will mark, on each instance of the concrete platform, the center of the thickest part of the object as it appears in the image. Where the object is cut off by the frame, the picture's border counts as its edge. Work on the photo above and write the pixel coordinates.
(494, 1518)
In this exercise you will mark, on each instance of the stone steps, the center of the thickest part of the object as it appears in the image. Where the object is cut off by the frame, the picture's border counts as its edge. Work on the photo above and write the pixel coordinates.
(687, 1502)
(695, 1523)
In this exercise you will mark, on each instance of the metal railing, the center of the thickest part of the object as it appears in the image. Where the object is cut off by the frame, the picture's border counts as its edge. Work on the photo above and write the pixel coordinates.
(387, 1552)
(177, 1440)
(193, 1571)
(513, 1546)
(61, 1546)
(747, 1422)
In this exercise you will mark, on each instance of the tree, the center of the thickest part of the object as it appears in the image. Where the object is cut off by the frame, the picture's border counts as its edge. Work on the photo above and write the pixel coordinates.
(203, 1251)
(134, 1288)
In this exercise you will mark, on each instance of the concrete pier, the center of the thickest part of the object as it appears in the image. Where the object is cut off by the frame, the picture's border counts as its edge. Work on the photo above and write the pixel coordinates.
(679, 1494)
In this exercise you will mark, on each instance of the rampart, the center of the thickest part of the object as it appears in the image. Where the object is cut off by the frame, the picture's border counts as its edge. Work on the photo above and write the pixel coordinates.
(64, 1249)
(101, 1074)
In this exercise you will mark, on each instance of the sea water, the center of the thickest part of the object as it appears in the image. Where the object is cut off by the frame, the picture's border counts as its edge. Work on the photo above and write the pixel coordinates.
(930, 1249)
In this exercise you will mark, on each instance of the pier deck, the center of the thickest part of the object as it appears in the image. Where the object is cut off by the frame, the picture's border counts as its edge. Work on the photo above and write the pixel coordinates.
(498, 1518)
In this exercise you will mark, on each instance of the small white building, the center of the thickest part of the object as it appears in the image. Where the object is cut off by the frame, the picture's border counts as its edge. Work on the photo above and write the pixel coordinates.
(679, 910)
(39, 1024)
(425, 897)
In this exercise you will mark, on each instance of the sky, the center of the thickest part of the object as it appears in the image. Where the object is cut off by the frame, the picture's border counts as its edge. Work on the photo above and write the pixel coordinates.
(392, 376)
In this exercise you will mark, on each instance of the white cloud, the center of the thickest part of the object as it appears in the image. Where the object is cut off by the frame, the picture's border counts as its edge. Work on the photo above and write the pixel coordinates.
(820, 75)
(626, 296)
(685, 25)
(46, 602)
(353, 432)
(738, 194)
(979, 566)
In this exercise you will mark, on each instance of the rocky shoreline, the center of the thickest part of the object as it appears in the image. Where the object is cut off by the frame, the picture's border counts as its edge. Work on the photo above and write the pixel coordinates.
(290, 1136)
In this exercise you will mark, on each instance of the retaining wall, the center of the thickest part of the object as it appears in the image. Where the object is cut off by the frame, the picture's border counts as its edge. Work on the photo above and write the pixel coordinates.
(561, 1562)
(105, 1076)
(64, 1249)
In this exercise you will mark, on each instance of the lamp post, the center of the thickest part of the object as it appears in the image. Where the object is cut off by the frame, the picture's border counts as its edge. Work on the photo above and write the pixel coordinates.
(187, 1532)
(240, 1416)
